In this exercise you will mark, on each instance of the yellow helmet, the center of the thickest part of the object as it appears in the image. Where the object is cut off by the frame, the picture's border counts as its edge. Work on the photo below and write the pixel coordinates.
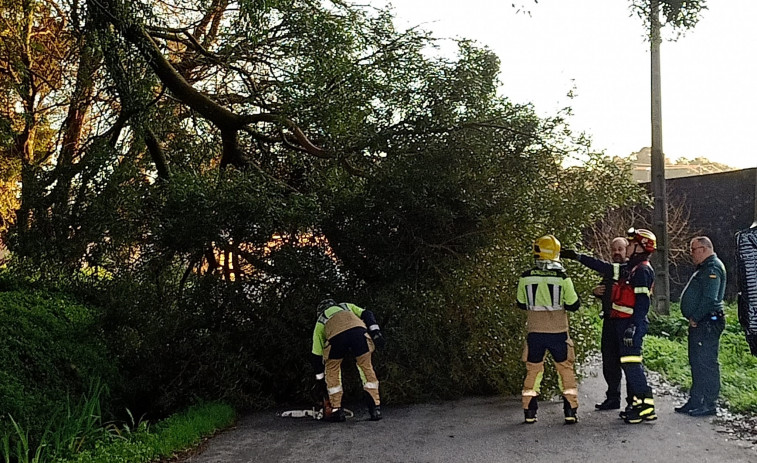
(547, 248)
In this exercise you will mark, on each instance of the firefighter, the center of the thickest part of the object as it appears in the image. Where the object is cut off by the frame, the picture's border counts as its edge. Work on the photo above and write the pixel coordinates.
(546, 292)
(344, 329)
(630, 305)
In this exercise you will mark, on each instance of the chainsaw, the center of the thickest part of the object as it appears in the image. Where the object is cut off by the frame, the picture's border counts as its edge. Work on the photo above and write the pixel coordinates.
(322, 408)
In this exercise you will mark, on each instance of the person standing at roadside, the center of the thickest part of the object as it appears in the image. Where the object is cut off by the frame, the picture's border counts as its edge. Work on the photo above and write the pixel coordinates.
(702, 305)
(630, 305)
(610, 346)
(546, 292)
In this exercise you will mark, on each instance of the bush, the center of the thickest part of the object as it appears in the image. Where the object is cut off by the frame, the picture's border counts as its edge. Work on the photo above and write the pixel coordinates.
(674, 326)
(50, 350)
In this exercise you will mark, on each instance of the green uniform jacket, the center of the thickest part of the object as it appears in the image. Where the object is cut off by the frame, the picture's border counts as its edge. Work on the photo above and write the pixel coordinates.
(704, 292)
(340, 318)
(545, 294)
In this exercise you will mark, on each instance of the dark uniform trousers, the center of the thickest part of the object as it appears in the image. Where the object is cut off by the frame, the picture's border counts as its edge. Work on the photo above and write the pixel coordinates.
(611, 368)
(704, 341)
(563, 355)
(630, 357)
(357, 342)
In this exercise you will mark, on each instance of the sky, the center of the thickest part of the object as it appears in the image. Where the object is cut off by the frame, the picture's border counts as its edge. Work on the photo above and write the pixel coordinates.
(709, 76)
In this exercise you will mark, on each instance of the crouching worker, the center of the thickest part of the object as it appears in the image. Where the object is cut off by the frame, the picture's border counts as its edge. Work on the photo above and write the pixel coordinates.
(546, 292)
(344, 329)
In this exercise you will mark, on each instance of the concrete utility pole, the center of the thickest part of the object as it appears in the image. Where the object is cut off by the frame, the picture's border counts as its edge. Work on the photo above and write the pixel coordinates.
(660, 212)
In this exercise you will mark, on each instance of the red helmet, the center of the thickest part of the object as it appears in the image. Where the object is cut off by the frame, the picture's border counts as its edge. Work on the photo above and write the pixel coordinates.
(644, 238)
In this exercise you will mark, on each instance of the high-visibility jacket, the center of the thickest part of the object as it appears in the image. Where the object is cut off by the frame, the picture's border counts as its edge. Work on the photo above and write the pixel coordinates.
(546, 294)
(338, 319)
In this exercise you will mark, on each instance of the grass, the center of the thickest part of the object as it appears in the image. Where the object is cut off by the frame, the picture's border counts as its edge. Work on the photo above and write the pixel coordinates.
(81, 437)
(665, 351)
(178, 432)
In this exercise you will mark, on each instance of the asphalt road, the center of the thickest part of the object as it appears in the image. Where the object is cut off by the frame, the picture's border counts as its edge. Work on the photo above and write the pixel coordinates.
(478, 430)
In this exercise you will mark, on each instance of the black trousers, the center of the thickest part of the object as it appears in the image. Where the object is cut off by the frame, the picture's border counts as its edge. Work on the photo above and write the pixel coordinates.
(611, 368)
(630, 357)
(704, 342)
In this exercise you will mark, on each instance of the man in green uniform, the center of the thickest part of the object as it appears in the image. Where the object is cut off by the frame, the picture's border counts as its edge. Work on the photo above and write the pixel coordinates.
(546, 292)
(344, 329)
(702, 305)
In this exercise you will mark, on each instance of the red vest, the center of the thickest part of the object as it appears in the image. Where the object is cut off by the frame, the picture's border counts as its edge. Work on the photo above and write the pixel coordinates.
(624, 296)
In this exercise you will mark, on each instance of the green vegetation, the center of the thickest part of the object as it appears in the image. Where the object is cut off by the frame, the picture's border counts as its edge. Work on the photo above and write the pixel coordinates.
(50, 350)
(51, 353)
(135, 442)
(145, 443)
(665, 351)
(206, 215)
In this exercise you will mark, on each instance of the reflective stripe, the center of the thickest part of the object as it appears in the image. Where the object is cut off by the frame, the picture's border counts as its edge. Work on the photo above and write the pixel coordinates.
(545, 308)
(616, 272)
(320, 376)
(529, 393)
(335, 389)
(370, 385)
(555, 294)
(631, 359)
(641, 290)
(530, 295)
(622, 308)
(573, 391)
(326, 315)
(373, 327)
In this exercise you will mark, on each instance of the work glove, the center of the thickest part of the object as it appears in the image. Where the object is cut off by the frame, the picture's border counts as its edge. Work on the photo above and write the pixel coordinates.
(628, 336)
(378, 339)
(568, 254)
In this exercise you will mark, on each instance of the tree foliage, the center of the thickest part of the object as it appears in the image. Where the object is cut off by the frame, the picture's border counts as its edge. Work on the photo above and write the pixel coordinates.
(211, 170)
(677, 15)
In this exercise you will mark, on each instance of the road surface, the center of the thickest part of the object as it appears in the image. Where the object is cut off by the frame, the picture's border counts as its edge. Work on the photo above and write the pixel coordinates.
(478, 430)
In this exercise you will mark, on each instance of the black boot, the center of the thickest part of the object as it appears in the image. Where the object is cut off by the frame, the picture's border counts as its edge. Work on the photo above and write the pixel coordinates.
(610, 403)
(337, 415)
(623, 413)
(375, 413)
(642, 410)
(373, 409)
(704, 410)
(570, 413)
(690, 405)
(530, 412)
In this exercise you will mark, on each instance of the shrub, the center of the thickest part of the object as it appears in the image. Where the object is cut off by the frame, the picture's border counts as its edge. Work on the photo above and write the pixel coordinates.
(50, 350)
